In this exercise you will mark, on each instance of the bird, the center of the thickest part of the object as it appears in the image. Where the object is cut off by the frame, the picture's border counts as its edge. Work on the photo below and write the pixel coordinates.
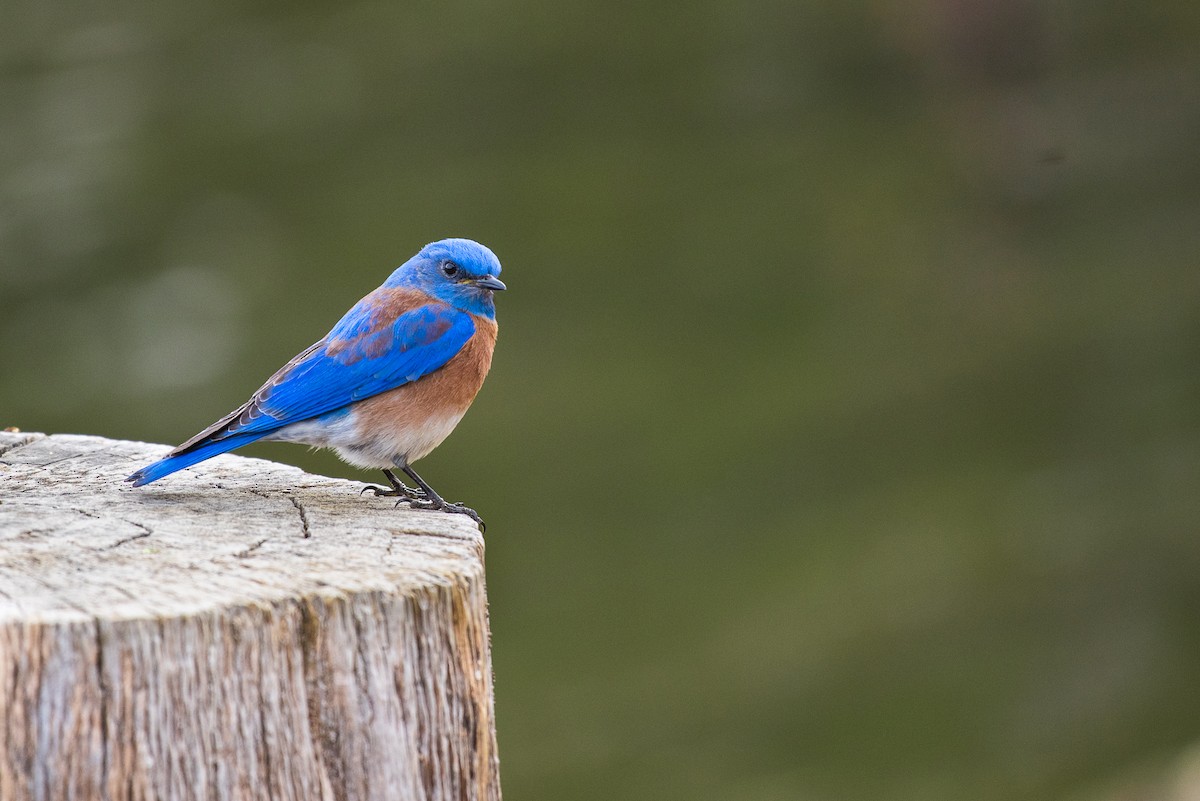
(386, 385)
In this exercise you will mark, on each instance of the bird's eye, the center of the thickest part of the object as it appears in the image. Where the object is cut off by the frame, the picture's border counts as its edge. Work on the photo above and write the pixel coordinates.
(449, 269)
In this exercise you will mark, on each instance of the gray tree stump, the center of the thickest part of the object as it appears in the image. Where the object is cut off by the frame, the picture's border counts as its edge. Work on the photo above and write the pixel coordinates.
(241, 630)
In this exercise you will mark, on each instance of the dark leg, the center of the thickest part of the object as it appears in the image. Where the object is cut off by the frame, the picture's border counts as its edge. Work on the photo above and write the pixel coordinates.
(434, 501)
(399, 489)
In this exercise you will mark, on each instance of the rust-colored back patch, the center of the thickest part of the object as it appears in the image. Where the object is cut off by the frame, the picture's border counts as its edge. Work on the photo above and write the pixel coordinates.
(388, 304)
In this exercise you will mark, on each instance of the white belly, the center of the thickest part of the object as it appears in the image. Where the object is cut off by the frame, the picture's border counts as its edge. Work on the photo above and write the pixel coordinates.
(407, 444)
(380, 447)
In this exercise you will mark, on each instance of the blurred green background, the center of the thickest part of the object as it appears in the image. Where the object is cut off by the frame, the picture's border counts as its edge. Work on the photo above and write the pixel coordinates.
(843, 436)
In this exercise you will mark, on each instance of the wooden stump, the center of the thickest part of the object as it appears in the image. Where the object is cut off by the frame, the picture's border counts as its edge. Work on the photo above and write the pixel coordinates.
(240, 630)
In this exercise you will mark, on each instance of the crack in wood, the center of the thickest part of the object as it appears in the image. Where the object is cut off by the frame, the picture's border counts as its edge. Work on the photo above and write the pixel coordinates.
(141, 535)
(102, 683)
(303, 515)
(433, 534)
(145, 532)
(70, 456)
(244, 553)
(305, 531)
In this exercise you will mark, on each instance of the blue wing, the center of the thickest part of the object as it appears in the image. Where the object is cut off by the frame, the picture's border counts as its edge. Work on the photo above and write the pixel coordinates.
(358, 360)
(368, 352)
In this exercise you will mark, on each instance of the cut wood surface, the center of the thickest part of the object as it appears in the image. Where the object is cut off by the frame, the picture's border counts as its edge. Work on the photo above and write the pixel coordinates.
(239, 630)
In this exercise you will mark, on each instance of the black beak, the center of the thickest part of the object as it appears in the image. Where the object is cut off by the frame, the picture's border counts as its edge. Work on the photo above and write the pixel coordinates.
(489, 282)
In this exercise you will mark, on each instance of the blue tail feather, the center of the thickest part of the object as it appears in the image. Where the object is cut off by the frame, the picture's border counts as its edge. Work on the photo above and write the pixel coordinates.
(164, 467)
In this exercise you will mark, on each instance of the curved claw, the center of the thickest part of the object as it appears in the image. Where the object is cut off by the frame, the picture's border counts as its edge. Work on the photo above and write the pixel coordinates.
(384, 493)
(458, 508)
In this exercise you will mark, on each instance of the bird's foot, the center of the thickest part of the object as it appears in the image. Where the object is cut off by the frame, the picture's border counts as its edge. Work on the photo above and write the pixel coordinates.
(422, 502)
(401, 491)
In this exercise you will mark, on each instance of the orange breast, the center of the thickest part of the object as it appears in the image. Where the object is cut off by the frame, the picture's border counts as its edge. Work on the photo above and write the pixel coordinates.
(418, 416)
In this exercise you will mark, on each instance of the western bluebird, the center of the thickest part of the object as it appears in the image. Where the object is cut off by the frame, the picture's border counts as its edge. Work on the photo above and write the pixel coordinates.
(386, 385)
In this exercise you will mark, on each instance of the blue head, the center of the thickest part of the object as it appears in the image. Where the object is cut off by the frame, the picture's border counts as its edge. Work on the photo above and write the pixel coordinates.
(459, 272)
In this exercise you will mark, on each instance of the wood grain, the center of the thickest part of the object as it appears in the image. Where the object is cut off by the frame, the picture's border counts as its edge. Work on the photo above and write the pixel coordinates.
(240, 630)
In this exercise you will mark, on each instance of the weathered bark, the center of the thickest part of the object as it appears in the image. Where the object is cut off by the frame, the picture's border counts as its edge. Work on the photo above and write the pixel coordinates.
(239, 630)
